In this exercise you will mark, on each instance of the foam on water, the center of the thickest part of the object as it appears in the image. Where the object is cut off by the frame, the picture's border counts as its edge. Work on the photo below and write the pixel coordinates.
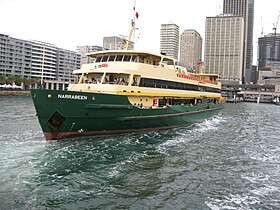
(183, 136)
(232, 202)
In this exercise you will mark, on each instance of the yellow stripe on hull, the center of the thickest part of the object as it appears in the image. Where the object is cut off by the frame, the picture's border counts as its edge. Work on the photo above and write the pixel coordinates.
(188, 95)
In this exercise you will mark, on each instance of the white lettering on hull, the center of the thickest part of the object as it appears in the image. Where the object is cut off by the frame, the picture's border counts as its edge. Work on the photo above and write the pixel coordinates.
(73, 97)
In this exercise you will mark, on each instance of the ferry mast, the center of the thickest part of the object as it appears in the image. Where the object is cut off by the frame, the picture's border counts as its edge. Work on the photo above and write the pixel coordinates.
(132, 29)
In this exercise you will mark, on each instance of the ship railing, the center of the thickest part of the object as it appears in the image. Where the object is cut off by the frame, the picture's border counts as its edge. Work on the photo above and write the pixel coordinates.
(196, 78)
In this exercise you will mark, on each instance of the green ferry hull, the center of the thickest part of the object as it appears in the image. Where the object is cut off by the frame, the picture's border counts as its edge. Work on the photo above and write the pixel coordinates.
(63, 114)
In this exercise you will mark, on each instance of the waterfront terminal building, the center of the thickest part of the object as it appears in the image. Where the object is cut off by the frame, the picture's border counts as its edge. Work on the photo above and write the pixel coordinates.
(37, 60)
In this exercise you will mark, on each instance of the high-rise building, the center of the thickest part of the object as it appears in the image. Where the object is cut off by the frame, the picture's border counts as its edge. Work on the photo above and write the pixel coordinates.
(83, 50)
(44, 60)
(244, 8)
(223, 52)
(67, 61)
(15, 56)
(35, 59)
(169, 39)
(190, 49)
(268, 50)
(116, 43)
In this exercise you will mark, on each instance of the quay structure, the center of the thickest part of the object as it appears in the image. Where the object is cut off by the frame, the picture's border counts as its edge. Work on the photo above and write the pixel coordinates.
(259, 93)
(41, 63)
(266, 90)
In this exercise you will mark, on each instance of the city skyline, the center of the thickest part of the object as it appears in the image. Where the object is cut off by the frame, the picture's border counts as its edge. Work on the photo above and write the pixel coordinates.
(82, 24)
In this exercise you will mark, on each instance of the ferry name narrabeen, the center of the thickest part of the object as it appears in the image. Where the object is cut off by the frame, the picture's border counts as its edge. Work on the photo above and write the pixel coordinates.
(74, 97)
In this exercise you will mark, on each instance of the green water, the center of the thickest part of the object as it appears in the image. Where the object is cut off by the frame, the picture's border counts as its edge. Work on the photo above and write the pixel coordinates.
(230, 161)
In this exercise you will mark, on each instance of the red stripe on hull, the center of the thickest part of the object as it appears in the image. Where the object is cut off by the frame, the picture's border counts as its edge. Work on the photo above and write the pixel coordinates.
(62, 135)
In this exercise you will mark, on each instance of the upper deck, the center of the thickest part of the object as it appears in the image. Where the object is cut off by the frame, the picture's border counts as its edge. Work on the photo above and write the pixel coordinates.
(114, 70)
(131, 56)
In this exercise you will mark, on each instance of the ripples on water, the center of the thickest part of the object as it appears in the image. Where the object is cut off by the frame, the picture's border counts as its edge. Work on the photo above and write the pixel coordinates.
(230, 161)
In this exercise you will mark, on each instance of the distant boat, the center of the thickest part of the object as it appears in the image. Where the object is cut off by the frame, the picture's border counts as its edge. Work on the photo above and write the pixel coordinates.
(9, 86)
(276, 101)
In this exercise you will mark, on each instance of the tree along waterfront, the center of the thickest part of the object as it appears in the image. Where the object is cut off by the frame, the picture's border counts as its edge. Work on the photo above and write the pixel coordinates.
(13, 82)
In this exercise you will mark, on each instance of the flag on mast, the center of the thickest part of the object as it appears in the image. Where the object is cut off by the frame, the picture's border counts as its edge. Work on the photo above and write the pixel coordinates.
(136, 13)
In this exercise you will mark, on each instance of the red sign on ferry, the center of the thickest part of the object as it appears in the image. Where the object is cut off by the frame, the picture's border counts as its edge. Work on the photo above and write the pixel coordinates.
(103, 65)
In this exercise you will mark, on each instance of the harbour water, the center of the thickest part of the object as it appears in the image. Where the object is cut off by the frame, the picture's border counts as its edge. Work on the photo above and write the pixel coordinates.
(231, 161)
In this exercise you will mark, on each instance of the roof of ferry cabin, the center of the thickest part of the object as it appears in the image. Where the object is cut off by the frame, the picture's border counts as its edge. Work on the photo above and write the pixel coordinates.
(131, 52)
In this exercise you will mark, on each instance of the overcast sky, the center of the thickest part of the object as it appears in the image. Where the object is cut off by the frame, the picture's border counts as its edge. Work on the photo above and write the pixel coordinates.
(69, 23)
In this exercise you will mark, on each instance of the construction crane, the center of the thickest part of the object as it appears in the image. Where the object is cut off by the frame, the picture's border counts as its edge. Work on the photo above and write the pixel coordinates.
(274, 40)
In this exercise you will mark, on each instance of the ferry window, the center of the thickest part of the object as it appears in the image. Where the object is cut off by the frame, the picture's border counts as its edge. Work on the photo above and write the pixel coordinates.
(126, 58)
(98, 59)
(109, 78)
(116, 79)
(105, 58)
(168, 62)
(78, 77)
(123, 80)
(92, 78)
(136, 80)
(119, 58)
(141, 59)
(112, 58)
(134, 58)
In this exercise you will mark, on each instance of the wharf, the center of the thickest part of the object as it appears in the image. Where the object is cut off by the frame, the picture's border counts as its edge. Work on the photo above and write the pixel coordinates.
(253, 96)
(258, 96)
(251, 93)
(14, 93)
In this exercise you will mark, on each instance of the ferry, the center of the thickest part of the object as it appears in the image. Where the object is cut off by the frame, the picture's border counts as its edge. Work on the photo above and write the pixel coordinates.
(127, 91)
